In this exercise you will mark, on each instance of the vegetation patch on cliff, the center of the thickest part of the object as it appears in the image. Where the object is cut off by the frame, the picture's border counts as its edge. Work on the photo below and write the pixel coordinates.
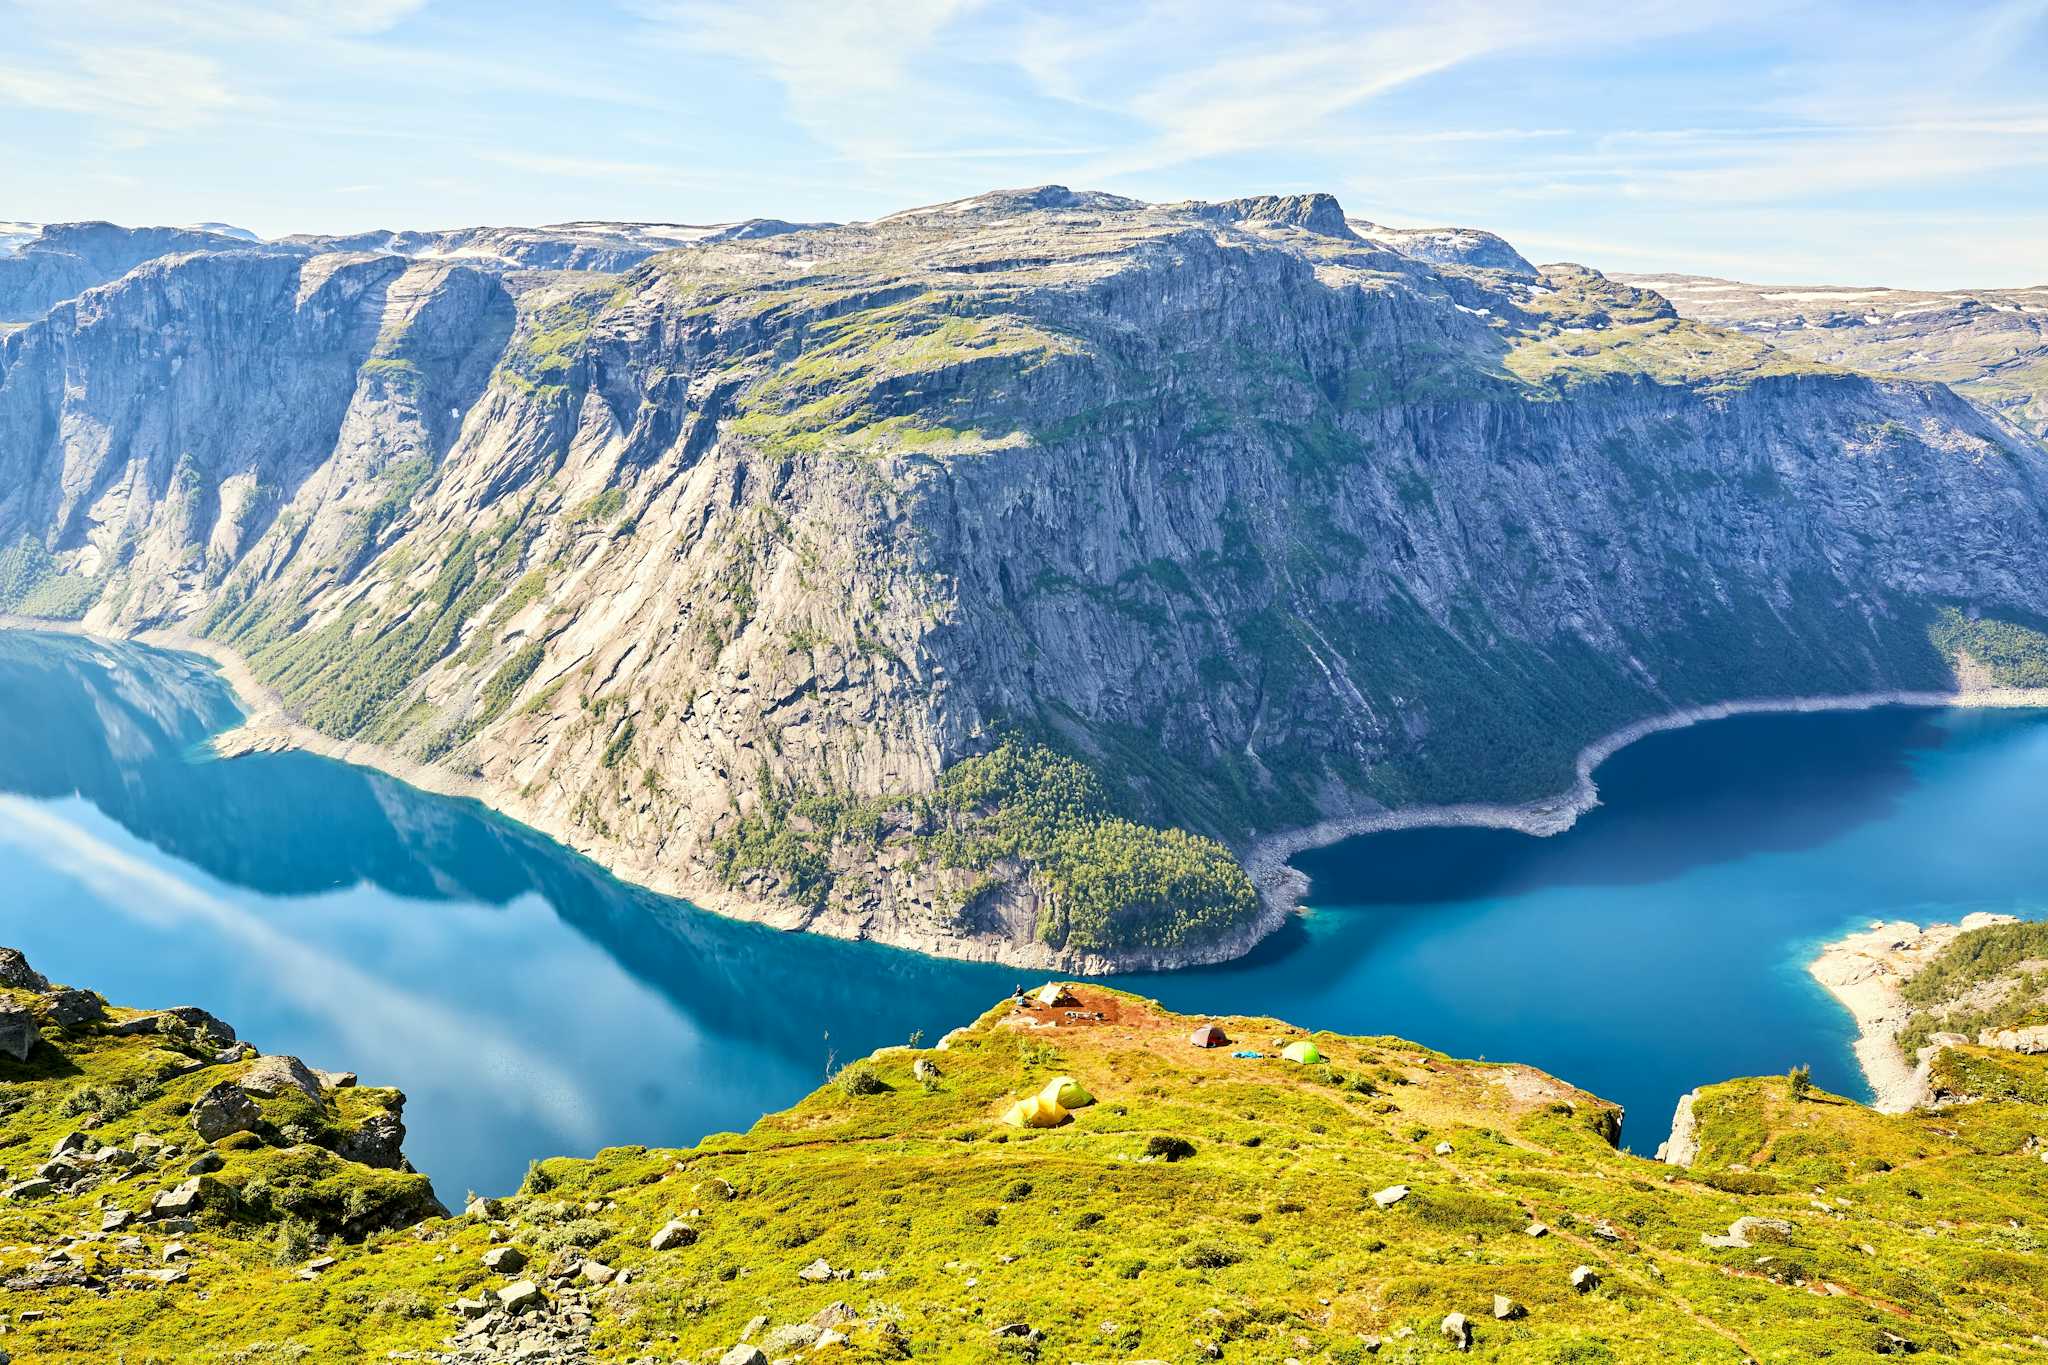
(1105, 883)
(32, 584)
(2016, 655)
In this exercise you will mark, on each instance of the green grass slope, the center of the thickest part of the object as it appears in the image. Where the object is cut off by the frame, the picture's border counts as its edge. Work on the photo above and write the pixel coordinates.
(1207, 1206)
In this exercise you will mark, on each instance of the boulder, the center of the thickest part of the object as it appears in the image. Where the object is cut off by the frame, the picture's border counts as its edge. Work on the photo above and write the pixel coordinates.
(34, 1188)
(1536, 1230)
(1747, 1232)
(2028, 1040)
(1585, 1279)
(71, 1142)
(18, 1033)
(1390, 1196)
(519, 1296)
(113, 1220)
(16, 973)
(505, 1260)
(180, 1019)
(743, 1354)
(223, 1110)
(672, 1234)
(827, 1339)
(69, 1008)
(206, 1163)
(471, 1308)
(336, 1080)
(789, 1338)
(1458, 1330)
(925, 1069)
(177, 1203)
(597, 1272)
(378, 1141)
(1443, 1149)
(272, 1076)
(817, 1272)
(202, 1023)
(1506, 1309)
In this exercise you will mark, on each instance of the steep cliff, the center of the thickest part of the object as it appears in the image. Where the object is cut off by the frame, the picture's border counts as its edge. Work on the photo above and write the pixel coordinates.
(974, 578)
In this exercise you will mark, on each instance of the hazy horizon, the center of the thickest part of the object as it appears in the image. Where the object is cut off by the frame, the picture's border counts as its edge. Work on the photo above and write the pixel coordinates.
(1804, 143)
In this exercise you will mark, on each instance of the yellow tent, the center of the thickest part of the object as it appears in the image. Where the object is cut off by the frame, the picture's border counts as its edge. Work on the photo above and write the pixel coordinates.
(1066, 1093)
(1036, 1112)
(1302, 1051)
(1053, 993)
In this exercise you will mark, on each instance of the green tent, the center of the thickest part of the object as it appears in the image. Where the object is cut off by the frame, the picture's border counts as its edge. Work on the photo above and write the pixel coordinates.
(1036, 1112)
(1302, 1051)
(1066, 1092)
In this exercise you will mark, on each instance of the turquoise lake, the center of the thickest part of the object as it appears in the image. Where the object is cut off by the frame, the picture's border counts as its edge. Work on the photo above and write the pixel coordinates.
(530, 1005)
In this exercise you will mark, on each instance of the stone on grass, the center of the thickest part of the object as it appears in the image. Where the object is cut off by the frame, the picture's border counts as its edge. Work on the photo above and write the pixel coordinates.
(272, 1076)
(817, 1272)
(177, 1203)
(69, 1008)
(1458, 1330)
(672, 1234)
(1390, 1196)
(34, 1188)
(1443, 1149)
(519, 1296)
(224, 1110)
(113, 1220)
(376, 1141)
(1506, 1309)
(471, 1308)
(829, 1338)
(597, 1272)
(15, 972)
(1536, 1230)
(504, 1260)
(18, 1033)
(789, 1338)
(1585, 1279)
(743, 1354)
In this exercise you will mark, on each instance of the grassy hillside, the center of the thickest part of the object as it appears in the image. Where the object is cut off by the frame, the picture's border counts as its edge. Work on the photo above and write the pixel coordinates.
(1207, 1206)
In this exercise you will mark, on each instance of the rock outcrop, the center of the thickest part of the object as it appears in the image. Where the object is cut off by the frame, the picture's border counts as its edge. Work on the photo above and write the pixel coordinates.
(723, 568)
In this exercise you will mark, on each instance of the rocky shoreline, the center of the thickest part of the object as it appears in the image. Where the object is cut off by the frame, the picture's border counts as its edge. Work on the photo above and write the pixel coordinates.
(1865, 971)
(267, 728)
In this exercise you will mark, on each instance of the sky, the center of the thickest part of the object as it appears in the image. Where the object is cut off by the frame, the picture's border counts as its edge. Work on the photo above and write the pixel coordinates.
(1839, 141)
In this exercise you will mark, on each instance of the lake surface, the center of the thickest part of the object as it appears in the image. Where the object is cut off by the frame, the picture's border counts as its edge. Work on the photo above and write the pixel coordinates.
(530, 1005)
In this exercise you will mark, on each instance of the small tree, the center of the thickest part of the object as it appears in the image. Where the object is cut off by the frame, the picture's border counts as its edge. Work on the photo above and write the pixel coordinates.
(1801, 1079)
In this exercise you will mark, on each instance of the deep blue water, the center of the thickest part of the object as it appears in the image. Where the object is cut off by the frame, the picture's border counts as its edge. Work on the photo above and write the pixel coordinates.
(529, 1004)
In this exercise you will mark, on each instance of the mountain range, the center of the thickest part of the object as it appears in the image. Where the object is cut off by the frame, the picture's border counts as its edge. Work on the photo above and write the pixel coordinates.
(1000, 578)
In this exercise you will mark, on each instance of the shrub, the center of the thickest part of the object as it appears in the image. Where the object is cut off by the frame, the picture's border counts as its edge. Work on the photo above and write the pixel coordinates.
(580, 1233)
(1741, 1182)
(1169, 1148)
(858, 1079)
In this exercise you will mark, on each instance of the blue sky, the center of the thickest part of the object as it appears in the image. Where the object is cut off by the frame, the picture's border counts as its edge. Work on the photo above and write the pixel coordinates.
(1867, 142)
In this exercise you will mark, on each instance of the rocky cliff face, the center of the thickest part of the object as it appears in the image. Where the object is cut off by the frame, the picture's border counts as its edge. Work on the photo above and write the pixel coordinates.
(779, 570)
(40, 267)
